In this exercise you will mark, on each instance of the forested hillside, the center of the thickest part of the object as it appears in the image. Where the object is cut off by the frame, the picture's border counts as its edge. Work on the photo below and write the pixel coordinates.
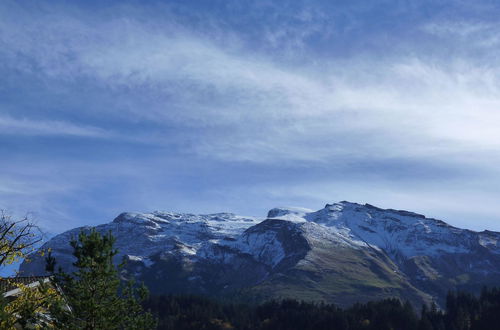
(463, 312)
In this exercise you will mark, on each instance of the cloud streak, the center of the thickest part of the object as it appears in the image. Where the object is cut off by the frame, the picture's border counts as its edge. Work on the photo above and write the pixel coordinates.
(197, 83)
(211, 95)
(9, 125)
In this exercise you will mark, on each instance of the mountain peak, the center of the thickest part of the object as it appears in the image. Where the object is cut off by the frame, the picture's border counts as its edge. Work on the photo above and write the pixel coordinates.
(279, 212)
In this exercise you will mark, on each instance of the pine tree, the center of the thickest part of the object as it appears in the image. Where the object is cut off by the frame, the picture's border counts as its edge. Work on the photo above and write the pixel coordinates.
(94, 293)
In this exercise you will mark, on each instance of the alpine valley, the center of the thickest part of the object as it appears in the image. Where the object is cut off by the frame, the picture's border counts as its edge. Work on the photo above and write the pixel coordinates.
(343, 253)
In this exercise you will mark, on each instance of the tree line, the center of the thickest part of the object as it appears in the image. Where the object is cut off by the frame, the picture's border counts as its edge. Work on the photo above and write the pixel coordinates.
(463, 311)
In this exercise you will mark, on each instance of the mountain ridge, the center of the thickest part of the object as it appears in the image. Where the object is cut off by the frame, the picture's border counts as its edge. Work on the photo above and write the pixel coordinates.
(342, 253)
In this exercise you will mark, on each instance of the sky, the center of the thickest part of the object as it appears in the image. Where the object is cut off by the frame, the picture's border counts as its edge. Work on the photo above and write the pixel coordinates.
(242, 106)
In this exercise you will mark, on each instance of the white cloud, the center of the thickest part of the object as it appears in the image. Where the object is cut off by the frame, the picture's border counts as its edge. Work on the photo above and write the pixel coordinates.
(24, 126)
(471, 34)
(405, 107)
(223, 100)
(456, 28)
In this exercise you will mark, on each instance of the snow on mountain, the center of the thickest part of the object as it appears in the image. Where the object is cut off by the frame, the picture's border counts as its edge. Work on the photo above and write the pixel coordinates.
(141, 235)
(399, 252)
(289, 213)
(183, 233)
(399, 233)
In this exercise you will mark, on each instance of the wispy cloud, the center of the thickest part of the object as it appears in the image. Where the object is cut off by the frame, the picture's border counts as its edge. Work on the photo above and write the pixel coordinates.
(24, 126)
(463, 29)
(194, 82)
(213, 96)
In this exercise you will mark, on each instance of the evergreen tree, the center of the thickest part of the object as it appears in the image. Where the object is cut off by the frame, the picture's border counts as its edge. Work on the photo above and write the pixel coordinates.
(94, 293)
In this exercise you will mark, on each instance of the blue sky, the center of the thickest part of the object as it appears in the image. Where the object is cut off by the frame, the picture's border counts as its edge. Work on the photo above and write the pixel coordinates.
(241, 106)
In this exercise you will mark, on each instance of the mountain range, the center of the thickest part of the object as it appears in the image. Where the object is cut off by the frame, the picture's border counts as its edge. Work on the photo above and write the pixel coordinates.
(342, 254)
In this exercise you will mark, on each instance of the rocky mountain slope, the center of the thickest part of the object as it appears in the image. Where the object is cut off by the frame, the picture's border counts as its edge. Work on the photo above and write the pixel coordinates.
(343, 253)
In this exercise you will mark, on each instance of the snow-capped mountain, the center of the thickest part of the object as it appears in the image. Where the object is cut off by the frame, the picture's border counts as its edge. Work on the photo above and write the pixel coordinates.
(343, 253)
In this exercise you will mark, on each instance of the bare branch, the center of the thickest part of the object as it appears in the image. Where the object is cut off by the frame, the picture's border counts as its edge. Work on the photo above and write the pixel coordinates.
(18, 238)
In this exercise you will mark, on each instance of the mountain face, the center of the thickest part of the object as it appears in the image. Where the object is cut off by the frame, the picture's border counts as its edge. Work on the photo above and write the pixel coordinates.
(343, 253)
